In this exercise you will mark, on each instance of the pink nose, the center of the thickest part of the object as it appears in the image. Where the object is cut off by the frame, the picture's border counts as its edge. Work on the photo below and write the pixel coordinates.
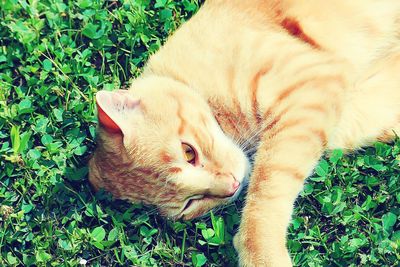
(235, 187)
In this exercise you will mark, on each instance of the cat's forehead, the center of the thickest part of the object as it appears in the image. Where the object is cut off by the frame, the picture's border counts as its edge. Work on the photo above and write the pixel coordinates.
(174, 101)
(163, 91)
(174, 108)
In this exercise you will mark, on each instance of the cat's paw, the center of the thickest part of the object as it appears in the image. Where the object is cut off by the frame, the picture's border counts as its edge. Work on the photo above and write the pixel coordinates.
(256, 251)
(244, 253)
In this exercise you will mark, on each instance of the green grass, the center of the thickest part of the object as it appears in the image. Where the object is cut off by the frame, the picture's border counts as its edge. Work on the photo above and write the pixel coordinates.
(54, 56)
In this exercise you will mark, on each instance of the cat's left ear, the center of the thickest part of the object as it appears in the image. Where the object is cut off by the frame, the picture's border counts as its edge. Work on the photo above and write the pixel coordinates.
(115, 110)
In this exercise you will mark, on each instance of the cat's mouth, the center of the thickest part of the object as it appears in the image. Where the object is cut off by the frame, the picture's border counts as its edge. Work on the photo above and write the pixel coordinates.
(200, 204)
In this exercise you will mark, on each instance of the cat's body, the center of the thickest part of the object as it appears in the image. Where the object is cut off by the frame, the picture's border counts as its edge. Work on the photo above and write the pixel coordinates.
(284, 79)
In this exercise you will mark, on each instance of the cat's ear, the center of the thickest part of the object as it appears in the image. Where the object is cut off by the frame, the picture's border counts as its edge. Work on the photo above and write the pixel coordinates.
(114, 110)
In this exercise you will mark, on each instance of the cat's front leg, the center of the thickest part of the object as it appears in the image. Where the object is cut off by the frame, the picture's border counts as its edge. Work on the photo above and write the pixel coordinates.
(261, 238)
(290, 148)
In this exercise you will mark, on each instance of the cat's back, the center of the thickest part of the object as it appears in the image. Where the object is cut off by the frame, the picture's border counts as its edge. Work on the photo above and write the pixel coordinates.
(357, 30)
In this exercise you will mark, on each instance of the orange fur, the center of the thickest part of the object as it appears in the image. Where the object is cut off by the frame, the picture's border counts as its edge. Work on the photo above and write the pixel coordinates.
(285, 79)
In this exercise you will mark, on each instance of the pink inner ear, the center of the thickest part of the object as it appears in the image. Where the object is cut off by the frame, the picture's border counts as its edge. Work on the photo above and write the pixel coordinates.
(107, 122)
(113, 109)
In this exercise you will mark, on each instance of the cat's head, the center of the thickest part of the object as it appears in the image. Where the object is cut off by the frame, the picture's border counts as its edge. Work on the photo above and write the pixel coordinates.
(159, 143)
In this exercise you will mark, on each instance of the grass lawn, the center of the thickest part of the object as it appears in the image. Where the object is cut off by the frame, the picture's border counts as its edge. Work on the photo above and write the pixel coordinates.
(54, 56)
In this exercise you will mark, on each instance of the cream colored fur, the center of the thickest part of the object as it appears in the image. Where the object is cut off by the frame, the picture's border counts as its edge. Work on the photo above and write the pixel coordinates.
(287, 79)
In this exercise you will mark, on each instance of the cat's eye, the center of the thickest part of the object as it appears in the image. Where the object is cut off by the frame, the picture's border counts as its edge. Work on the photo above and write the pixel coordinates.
(189, 153)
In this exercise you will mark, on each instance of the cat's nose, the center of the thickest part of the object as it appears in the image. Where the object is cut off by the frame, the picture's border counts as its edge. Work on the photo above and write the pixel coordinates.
(225, 186)
(234, 188)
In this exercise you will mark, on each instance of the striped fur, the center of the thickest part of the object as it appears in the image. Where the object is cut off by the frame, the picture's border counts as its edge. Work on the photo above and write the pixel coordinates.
(285, 80)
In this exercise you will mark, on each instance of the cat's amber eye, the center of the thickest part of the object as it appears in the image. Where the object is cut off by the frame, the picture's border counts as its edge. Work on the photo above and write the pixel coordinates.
(189, 153)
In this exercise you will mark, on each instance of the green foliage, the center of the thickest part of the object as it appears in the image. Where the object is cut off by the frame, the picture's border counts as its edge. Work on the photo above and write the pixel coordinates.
(348, 213)
(54, 56)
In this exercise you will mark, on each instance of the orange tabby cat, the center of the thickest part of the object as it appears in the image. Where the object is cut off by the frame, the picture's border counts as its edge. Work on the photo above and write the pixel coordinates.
(285, 79)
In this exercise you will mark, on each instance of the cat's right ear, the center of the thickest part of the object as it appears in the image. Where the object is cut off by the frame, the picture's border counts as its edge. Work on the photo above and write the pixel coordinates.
(114, 108)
